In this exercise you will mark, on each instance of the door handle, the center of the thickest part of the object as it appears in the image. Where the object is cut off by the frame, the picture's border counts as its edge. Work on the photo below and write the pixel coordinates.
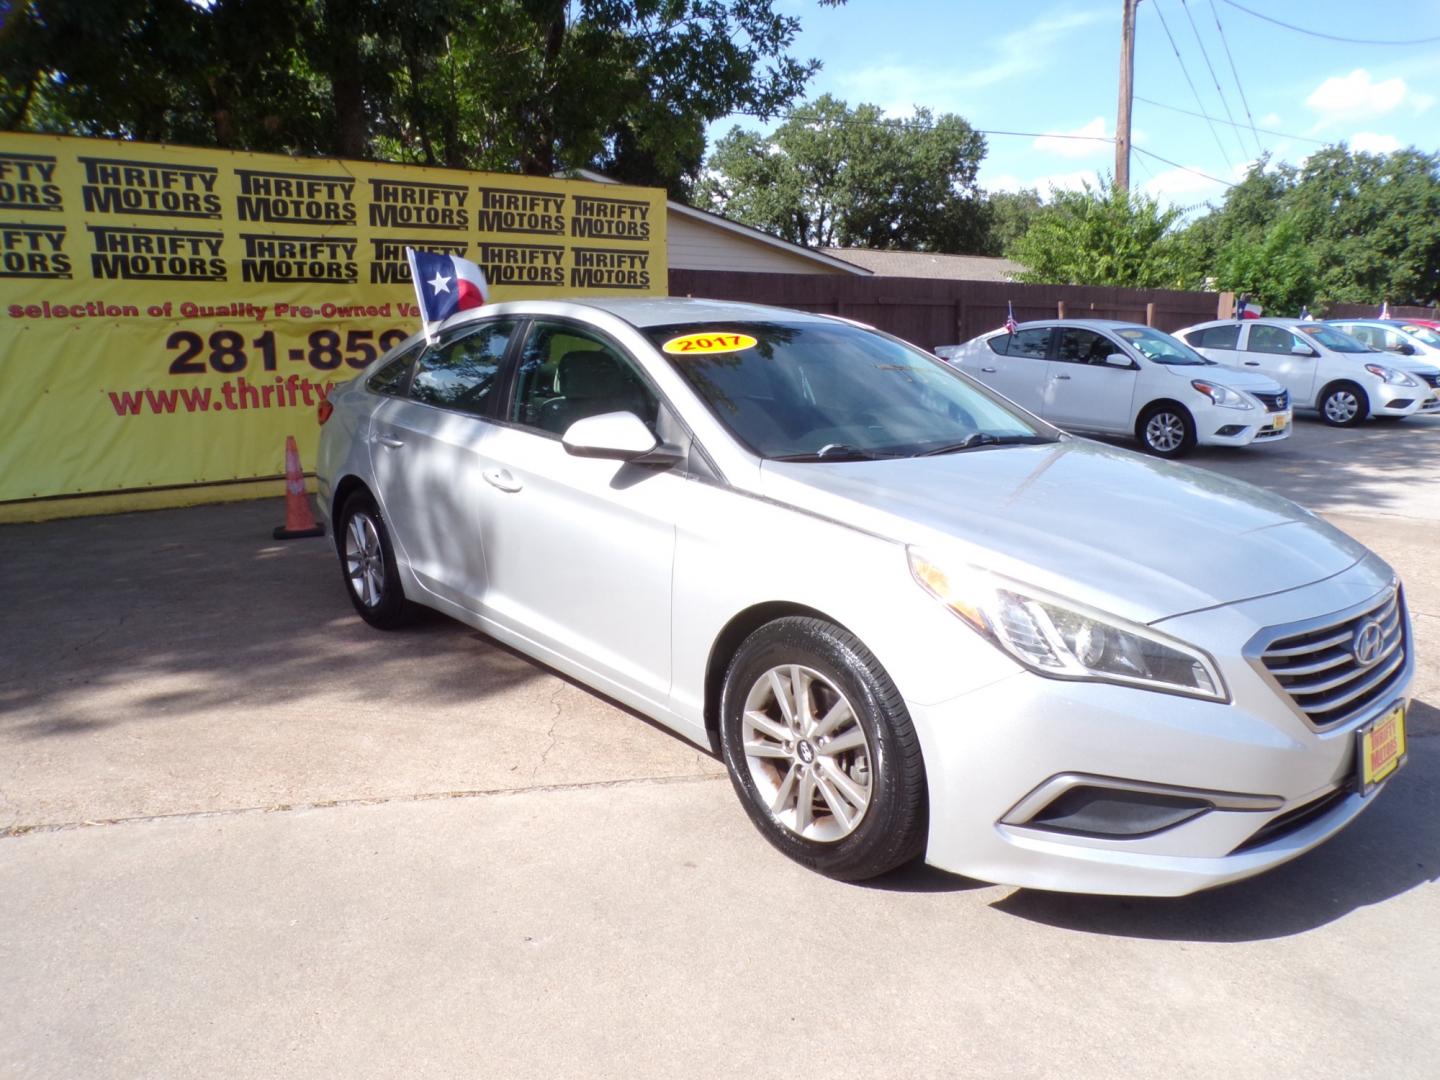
(390, 441)
(988, 370)
(1252, 363)
(1062, 377)
(502, 479)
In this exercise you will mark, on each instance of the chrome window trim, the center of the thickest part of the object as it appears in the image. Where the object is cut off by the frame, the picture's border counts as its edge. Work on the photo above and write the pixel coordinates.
(1022, 813)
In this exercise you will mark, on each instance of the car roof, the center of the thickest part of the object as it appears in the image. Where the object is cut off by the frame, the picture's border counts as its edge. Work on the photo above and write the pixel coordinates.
(643, 311)
(1083, 324)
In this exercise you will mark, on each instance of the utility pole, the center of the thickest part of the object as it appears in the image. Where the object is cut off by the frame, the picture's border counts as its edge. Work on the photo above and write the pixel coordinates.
(1127, 93)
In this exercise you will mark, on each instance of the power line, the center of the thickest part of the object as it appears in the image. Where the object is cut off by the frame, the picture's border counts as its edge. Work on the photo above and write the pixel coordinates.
(1330, 37)
(886, 121)
(1226, 42)
(1185, 6)
(1200, 104)
(1201, 116)
(1182, 168)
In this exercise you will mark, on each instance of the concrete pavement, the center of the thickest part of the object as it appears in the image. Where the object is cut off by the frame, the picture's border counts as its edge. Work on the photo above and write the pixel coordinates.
(323, 851)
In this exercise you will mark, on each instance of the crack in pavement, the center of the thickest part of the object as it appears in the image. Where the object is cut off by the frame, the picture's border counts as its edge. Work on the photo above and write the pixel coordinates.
(375, 800)
(550, 734)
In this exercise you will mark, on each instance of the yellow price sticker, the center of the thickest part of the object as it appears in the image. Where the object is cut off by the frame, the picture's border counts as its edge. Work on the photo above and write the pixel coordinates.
(709, 343)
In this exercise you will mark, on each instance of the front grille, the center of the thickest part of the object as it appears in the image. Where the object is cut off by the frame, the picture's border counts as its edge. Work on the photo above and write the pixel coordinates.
(1318, 668)
(1294, 820)
(1273, 402)
(1433, 380)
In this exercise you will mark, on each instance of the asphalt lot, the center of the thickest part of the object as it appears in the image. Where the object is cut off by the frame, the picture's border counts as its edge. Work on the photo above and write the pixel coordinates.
(243, 835)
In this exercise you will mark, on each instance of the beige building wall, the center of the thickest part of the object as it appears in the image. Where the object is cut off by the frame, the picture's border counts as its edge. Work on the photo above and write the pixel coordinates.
(697, 245)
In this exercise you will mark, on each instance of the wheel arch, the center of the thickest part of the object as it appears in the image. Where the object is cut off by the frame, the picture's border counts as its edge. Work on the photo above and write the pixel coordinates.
(727, 642)
(347, 486)
(1158, 403)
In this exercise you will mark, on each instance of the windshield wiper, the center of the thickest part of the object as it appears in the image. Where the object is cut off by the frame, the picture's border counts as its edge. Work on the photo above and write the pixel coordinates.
(978, 439)
(837, 452)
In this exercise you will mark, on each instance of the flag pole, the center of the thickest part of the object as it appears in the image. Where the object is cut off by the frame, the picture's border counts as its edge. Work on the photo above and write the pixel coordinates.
(419, 296)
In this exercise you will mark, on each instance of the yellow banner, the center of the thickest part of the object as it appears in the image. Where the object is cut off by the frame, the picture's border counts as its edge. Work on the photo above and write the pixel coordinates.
(169, 315)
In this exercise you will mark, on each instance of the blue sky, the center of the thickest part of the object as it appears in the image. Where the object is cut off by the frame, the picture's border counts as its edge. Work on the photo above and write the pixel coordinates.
(1052, 67)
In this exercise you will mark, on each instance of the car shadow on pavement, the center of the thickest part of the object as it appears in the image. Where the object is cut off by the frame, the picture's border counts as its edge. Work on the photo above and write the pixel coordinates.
(1390, 849)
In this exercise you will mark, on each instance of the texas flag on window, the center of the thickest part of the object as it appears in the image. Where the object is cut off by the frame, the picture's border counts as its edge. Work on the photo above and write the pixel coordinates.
(445, 284)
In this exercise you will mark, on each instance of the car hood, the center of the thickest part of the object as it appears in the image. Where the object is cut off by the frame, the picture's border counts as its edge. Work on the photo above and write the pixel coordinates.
(1225, 375)
(1142, 538)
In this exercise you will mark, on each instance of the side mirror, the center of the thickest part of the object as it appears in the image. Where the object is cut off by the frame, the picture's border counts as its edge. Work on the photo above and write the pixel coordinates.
(618, 436)
(1116, 359)
(1405, 349)
(1301, 349)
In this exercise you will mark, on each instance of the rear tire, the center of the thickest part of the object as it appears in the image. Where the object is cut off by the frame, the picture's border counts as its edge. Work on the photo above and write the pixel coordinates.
(1344, 405)
(367, 563)
(821, 750)
(1166, 430)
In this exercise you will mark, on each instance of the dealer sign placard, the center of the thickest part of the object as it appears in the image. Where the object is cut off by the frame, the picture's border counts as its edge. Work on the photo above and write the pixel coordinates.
(168, 315)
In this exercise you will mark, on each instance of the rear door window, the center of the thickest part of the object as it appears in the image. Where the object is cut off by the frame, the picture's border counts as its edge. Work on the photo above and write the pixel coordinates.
(1215, 337)
(394, 376)
(460, 372)
(1034, 342)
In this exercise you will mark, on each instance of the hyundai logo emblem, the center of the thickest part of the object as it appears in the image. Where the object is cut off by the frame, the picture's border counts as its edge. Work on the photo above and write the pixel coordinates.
(1369, 639)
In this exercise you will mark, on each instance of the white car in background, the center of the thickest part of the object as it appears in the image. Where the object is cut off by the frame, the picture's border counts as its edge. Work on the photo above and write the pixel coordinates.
(1324, 369)
(1120, 378)
(1412, 347)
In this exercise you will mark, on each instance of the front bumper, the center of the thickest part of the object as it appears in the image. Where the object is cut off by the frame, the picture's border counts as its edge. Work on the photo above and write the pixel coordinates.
(1400, 400)
(1284, 786)
(1230, 427)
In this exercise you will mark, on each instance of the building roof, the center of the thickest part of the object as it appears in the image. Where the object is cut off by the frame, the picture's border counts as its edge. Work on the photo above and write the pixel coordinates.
(824, 258)
(927, 264)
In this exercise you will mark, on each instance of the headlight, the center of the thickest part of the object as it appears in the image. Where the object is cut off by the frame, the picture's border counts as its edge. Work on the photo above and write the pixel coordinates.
(1221, 395)
(1062, 640)
(1390, 375)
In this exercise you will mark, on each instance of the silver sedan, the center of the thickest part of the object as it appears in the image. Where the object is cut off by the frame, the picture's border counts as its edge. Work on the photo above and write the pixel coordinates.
(914, 619)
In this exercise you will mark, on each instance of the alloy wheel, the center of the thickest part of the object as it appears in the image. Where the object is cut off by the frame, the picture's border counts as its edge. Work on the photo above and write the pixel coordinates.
(364, 559)
(1165, 432)
(807, 753)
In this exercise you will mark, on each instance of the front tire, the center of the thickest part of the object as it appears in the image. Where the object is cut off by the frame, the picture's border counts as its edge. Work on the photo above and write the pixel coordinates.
(367, 563)
(821, 750)
(1344, 405)
(1166, 430)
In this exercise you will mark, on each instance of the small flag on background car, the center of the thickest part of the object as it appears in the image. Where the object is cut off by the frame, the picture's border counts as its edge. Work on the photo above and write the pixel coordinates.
(1385, 309)
(1010, 323)
(445, 284)
(1305, 313)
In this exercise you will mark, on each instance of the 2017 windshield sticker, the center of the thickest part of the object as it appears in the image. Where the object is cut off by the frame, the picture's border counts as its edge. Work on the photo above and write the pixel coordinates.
(708, 343)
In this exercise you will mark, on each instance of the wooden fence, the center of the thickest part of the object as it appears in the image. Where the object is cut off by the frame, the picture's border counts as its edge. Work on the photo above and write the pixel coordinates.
(933, 312)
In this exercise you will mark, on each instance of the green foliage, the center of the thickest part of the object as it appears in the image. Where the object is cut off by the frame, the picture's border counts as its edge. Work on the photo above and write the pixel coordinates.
(836, 176)
(1008, 217)
(536, 85)
(1347, 227)
(1100, 236)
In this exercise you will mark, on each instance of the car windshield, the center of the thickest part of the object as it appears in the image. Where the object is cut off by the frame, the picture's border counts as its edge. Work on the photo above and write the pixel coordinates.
(1161, 348)
(830, 391)
(1422, 334)
(1335, 340)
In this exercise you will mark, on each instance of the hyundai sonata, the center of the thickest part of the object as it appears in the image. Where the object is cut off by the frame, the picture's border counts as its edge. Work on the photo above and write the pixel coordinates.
(913, 619)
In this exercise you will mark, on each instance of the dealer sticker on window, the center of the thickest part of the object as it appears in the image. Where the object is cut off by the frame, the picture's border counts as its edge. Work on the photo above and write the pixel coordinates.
(709, 343)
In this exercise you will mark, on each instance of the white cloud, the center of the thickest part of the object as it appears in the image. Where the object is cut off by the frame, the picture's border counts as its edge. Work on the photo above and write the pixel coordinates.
(1270, 120)
(896, 84)
(1370, 143)
(1358, 96)
(1085, 143)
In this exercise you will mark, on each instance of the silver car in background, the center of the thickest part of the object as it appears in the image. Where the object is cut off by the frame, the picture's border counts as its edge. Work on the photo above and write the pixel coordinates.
(913, 619)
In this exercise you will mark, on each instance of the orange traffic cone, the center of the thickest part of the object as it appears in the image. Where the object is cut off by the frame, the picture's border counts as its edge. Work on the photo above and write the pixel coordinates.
(299, 521)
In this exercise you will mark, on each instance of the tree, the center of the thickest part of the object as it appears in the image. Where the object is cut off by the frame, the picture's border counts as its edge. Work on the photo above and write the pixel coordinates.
(533, 85)
(835, 176)
(1101, 235)
(1008, 217)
